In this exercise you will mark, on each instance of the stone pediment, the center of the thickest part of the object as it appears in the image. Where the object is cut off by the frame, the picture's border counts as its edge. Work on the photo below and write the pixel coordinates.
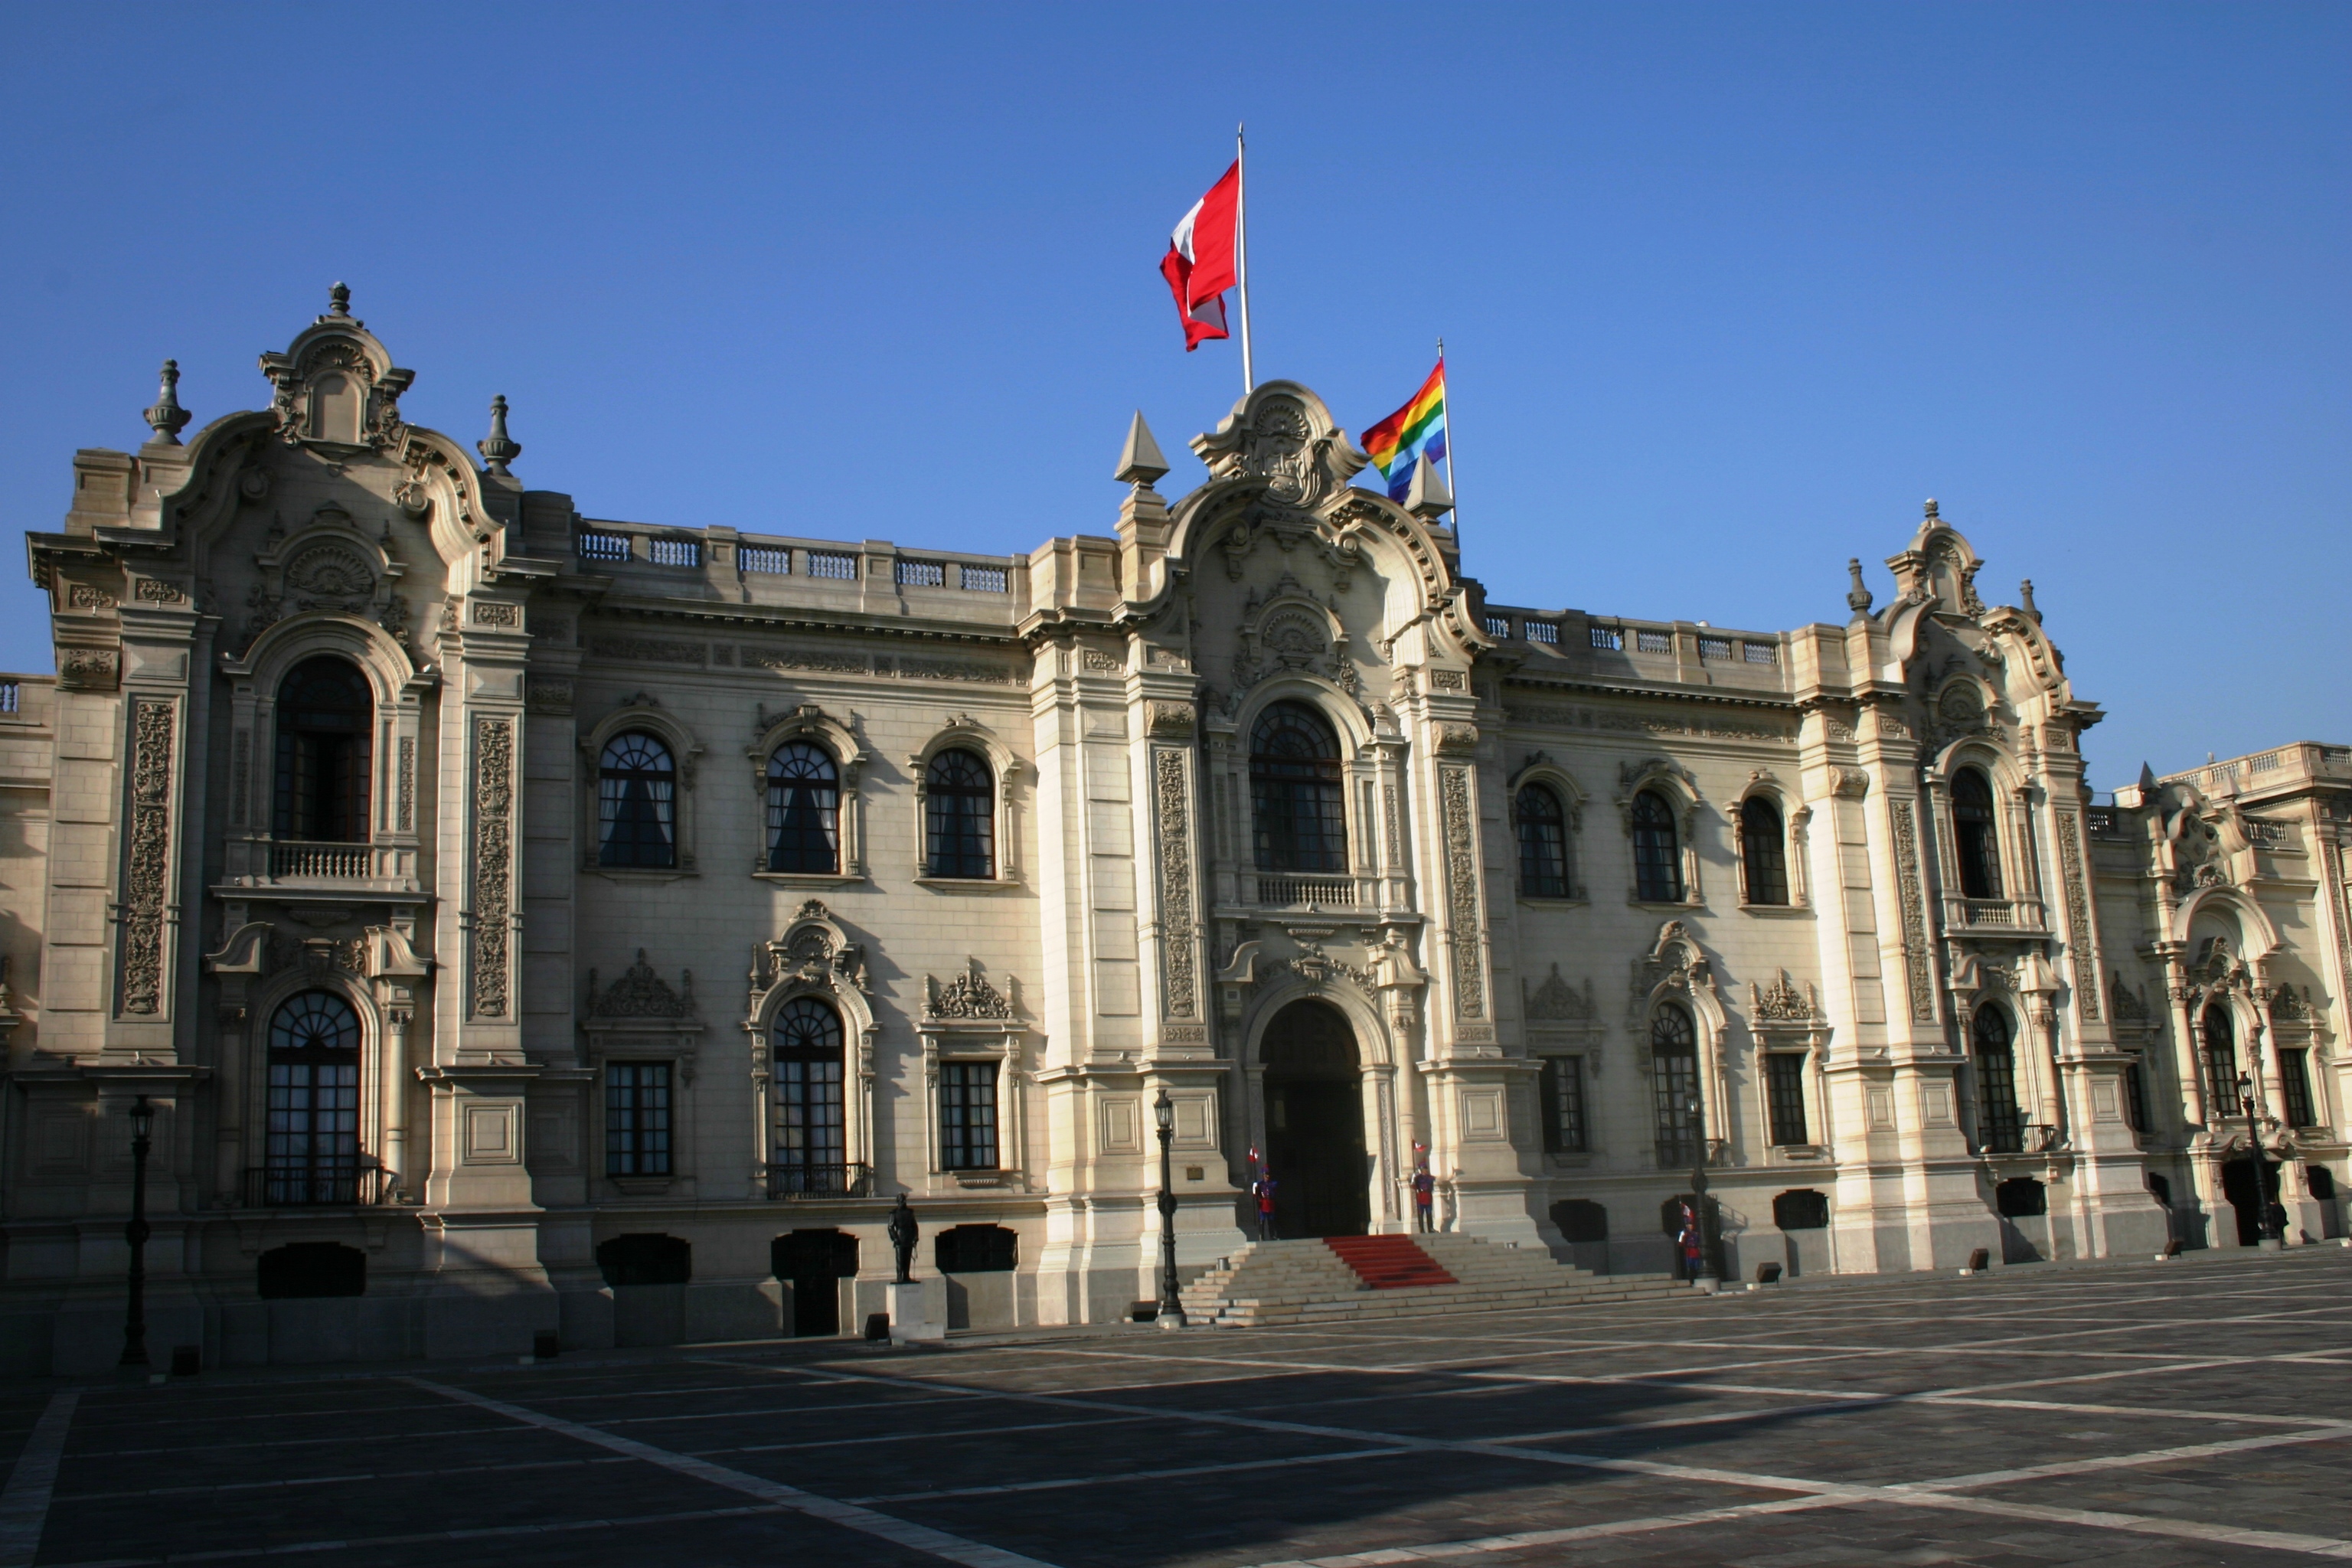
(1283, 434)
(967, 997)
(642, 992)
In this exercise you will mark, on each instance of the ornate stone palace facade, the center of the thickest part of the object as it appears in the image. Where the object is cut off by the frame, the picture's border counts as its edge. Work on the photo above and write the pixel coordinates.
(524, 922)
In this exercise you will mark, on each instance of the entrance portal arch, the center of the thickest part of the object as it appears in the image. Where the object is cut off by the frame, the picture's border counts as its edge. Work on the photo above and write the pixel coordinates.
(1314, 1123)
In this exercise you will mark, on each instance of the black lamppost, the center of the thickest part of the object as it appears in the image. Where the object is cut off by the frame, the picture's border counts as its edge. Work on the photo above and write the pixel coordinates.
(134, 1326)
(2266, 1234)
(1696, 1113)
(1171, 1304)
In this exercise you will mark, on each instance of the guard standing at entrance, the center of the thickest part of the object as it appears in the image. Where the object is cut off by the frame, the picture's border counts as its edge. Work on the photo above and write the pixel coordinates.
(1425, 1191)
(1690, 1242)
(1262, 1190)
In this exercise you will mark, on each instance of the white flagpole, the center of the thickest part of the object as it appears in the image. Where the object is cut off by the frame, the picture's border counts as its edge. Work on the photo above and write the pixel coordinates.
(1449, 448)
(1241, 251)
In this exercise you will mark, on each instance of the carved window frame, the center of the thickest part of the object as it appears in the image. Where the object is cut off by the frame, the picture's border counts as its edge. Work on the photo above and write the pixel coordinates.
(811, 724)
(2013, 835)
(774, 985)
(640, 712)
(1796, 820)
(1004, 766)
(1000, 1041)
(1680, 793)
(1372, 771)
(264, 1001)
(1548, 774)
(676, 1041)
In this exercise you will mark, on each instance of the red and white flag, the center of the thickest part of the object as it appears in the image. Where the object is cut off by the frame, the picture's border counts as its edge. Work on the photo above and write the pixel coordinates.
(1199, 266)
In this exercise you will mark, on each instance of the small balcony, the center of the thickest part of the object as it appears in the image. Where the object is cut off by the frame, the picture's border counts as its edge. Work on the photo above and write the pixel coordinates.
(1998, 915)
(258, 862)
(1287, 892)
(838, 1180)
(310, 1186)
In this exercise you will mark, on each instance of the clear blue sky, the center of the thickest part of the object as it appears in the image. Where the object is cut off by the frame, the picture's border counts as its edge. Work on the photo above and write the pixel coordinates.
(1728, 290)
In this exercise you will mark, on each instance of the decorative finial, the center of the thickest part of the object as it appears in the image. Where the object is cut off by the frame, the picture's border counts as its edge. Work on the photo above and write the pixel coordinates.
(1139, 461)
(2026, 589)
(1857, 598)
(497, 450)
(1931, 509)
(339, 299)
(167, 417)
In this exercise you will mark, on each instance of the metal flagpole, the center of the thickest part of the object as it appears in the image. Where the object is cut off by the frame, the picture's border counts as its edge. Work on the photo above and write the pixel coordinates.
(1449, 445)
(1241, 249)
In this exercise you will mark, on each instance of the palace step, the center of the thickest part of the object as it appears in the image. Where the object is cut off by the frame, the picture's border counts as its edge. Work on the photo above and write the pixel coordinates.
(1388, 1262)
(1349, 1278)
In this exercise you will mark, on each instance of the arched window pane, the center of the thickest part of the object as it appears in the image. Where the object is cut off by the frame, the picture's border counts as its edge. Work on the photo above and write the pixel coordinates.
(1300, 821)
(636, 803)
(2003, 1128)
(1761, 848)
(803, 809)
(811, 1135)
(1976, 834)
(313, 1140)
(1674, 1084)
(324, 715)
(2221, 1043)
(960, 816)
(1543, 844)
(1657, 856)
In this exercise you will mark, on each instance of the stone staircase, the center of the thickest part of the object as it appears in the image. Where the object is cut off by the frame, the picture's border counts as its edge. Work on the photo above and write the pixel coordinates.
(1348, 1278)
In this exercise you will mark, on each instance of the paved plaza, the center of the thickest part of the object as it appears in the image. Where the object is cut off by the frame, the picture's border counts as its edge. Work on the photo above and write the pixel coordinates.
(2193, 1412)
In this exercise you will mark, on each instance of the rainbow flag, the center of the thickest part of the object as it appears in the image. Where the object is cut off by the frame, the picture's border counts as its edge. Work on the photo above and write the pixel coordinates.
(1412, 434)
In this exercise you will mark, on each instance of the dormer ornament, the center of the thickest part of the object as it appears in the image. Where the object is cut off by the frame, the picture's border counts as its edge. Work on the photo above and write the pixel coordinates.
(965, 996)
(497, 450)
(167, 418)
(336, 386)
(642, 992)
(1281, 433)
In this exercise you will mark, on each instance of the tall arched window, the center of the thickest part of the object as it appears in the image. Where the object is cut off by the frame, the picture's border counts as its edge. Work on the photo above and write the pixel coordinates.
(803, 809)
(324, 715)
(2220, 1042)
(1763, 851)
(960, 816)
(1674, 1085)
(1295, 799)
(313, 1150)
(1657, 856)
(1543, 844)
(636, 803)
(1976, 834)
(2002, 1128)
(812, 1135)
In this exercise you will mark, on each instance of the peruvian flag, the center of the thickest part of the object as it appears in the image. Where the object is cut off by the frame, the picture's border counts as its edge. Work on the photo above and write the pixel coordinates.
(1199, 266)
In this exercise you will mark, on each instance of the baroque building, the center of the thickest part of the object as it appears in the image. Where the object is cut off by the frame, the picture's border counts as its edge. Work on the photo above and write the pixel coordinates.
(525, 922)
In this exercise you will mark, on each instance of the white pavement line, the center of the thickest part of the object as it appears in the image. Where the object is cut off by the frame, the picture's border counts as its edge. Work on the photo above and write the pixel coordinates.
(1440, 1549)
(2165, 1412)
(902, 1533)
(910, 1437)
(486, 1532)
(25, 1506)
(2138, 1524)
(1060, 1483)
(221, 1488)
(2124, 1461)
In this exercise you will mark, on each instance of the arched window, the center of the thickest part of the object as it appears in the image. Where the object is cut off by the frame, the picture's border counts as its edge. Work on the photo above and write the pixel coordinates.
(1674, 1082)
(812, 1135)
(1657, 856)
(1295, 792)
(314, 1150)
(1978, 837)
(2221, 1041)
(1763, 849)
(324, 715)
(636, 803)
(960, 816)
(2003, 1130)
(1543, 844)
(803, 809)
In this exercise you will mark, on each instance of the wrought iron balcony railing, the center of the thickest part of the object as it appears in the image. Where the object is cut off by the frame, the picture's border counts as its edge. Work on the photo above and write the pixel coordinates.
(835, 1181)
(309, 1186)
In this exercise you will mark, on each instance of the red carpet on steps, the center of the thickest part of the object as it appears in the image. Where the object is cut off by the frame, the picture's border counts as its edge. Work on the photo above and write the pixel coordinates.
(1388, 1262)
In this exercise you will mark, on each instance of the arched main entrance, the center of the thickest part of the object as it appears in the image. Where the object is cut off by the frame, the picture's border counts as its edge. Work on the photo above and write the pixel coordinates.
(1315, 1124)
(2238, 1185)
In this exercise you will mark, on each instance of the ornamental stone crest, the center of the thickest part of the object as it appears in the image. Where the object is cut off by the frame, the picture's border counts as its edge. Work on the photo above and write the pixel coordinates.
(965, 996)
(1557, 1001)
(1782, 1003)
(642, 992)
(1283, 434)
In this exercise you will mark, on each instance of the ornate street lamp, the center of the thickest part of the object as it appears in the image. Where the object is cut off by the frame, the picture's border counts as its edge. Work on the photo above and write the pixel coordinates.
(134, 1326)
(1695, 1112)
(2266, 1234)
(1172, 1305)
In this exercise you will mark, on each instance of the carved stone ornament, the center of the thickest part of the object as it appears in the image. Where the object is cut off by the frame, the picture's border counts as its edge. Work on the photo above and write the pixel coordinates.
(2078, 916)
(813, 949)
(1782, 1003)
(967, 995)
(2130, 1008)
(1556, 1001)
(1173, 720)
(1911, 896)
(2286, 1002)
(642, 992)
(336, 386)
(1282, 434)
(147, 883)
(1457, 740)
(95, 669)
(1316, 967)
(330, 572)
(1462, 895)
(493, 864)
(1172, 788)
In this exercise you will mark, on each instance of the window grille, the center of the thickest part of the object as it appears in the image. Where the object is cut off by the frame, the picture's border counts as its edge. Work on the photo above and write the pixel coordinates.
(1543, 631)
(977, 1250)
(985, 580)
(1498, 625)
(811, 1132)
(1563, 1089)
(637, 1118)
(922, 574)
(775, 561)
(2000, 1127)
(968, 1116)
(1715, 647)
(1760, 652)
(1608, 638)
(674, 552)
(1785, 1081)
(832, 563)
(1647, 641)
(1803, 1209)
(595, 547)
(314, 1148)
(10, 694)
